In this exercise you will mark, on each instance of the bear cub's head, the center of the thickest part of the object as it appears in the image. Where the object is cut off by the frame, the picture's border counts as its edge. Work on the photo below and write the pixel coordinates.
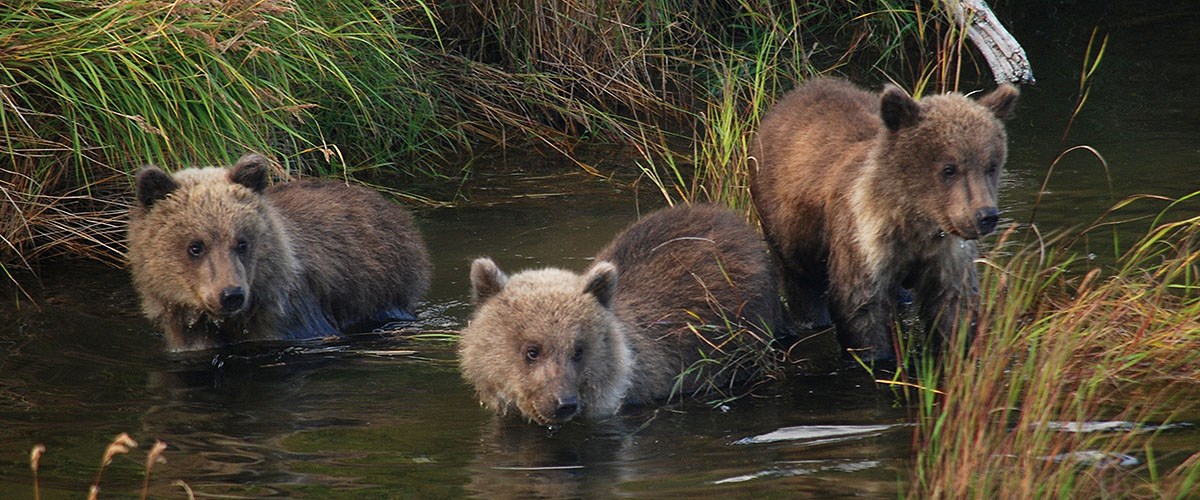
(546, 342)
(198, 239)
(947, 152)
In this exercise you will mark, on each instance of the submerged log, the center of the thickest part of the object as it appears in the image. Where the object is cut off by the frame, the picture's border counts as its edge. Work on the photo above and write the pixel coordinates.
(1002, 52)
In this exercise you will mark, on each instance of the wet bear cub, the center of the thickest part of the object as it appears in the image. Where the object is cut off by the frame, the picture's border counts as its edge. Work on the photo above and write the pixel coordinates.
(677, 286)
(218, 257)
(863, 194)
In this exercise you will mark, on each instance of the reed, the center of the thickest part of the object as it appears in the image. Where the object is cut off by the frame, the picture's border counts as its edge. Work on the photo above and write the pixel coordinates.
(35, 459)
(1077, 372)
(120, 445)
(776, 47)
(100, 84)
(735, 360)
(91, 90)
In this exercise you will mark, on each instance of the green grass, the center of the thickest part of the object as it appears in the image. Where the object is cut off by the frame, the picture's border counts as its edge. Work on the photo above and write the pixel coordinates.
(1066, 343)
(100, 84)
(92, 90)
(774, 49)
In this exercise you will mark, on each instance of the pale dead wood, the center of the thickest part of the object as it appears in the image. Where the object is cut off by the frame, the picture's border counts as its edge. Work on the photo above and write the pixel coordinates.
(1002, 52)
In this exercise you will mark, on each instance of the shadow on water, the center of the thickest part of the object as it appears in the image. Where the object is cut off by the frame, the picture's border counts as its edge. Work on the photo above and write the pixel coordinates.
(382, 415)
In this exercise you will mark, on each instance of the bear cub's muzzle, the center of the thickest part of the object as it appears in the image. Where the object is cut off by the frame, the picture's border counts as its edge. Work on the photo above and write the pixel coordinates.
(986, 220)
(233, 300)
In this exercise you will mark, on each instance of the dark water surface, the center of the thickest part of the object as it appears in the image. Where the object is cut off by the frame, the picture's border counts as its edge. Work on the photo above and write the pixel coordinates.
(380, 417)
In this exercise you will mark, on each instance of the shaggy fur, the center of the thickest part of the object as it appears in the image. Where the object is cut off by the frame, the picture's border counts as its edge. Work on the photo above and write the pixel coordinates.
(218, 257)
(861, 194)
(552, 344)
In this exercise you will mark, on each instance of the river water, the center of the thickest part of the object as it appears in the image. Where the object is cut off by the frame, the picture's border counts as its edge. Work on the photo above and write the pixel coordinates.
(388, 416)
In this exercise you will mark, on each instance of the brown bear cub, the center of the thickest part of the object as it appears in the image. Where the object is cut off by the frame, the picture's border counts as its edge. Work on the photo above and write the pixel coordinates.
(218, 257)
(862, 195)
(678, 286)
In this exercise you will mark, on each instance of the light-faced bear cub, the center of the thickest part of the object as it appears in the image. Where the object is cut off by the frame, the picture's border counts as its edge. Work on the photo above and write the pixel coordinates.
(679, 286)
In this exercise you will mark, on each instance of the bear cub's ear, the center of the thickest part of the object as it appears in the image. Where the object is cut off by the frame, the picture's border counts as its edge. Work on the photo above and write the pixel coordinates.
(897, 109)
(1001, 101)
(486, 280)
(601, 282)
(153, 184)
(251, 170)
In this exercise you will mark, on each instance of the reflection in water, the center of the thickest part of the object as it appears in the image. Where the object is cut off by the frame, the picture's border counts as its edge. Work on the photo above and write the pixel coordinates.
(816, 434)
(690, 450)
(804, 468)
(224, 416)
(517, 460)
(315, 418)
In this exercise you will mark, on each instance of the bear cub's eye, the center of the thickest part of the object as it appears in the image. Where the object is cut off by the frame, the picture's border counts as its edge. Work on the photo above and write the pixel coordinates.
(992, 170)
(195, 248)
(578, 354)
(242, 246)
(532, 353)
(949, 170)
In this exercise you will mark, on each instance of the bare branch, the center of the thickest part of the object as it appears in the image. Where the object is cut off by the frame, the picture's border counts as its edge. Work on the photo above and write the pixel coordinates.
(1002, 52)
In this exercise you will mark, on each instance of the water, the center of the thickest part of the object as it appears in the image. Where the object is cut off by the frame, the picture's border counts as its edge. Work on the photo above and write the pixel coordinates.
(379, 416)
(1142, 114)
(390, 417)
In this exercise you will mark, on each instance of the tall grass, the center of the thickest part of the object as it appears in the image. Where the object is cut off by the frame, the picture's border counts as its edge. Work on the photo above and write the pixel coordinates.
(1067, 347)
(778, 46)
(38, 220)
(90, 90)
(110, 84)
(1078, 369)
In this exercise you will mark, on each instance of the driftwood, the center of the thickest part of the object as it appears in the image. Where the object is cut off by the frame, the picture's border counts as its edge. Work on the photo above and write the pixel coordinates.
(1002, 52)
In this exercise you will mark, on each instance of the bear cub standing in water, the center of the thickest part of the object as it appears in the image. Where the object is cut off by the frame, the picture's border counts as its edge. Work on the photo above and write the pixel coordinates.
(861, 194)
(218, 257)
(553, 344)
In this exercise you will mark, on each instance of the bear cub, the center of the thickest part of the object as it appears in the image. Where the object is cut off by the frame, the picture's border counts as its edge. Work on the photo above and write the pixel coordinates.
(218, 257)
(679, 285)
(864, 195)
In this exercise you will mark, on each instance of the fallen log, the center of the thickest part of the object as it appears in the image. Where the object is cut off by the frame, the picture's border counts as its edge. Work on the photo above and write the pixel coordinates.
(1003, 53)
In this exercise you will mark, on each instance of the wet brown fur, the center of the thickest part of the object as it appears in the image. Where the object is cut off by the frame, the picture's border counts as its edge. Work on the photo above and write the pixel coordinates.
(854, 197)
(319, 258)
(623, 331)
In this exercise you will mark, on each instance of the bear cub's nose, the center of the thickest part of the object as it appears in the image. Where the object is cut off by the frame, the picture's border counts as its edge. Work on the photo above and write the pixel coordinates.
(567, 408)
(987, 219)
(232, 298)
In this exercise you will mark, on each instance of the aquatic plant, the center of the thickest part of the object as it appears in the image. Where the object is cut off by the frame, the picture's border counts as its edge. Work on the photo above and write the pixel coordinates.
(740, 358)
(1064, 346)
(35, 458)
(120, 445)
(896, 41)
(92, 90)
